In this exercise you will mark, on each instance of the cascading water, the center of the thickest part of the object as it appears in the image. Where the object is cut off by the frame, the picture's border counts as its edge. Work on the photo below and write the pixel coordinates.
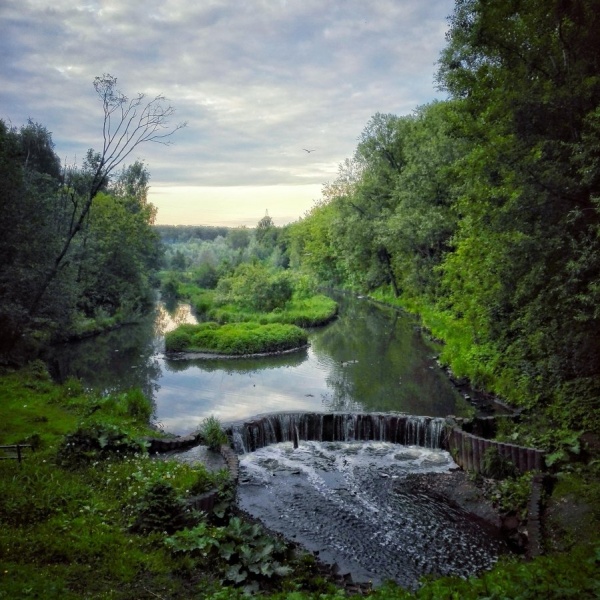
(273, 428)
(353, 503)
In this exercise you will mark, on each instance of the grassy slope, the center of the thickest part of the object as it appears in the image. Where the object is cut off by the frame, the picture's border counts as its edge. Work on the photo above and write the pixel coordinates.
(66, 526)
(303, 312)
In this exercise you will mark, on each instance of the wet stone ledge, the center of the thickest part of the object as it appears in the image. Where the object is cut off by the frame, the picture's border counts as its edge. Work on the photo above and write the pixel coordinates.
(160, 445)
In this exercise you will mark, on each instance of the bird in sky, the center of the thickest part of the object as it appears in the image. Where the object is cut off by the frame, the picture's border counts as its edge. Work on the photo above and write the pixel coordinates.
(309, 151)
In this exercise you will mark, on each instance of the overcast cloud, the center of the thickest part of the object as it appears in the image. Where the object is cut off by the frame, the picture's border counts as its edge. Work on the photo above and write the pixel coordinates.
(256, 80)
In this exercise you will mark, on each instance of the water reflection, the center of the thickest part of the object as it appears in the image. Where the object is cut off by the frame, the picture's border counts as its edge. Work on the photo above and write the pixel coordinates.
(170, 315)
(371, 358)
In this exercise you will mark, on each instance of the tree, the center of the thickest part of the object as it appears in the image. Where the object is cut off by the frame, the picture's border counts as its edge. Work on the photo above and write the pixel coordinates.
(523, 276)
(238, 238)
(367, 203)
(29, 228)
(265, 235)
(121, 251)
(418, 233)
(132, 185)
(127, 123)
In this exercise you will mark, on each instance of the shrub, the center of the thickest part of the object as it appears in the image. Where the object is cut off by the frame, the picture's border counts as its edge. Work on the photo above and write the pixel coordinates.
(178, 339)
(212, 433)
(138, 406)
(244, 552)
(97, 440)
(206, 276)
(255, 287)
(161, 508)
(497, 466)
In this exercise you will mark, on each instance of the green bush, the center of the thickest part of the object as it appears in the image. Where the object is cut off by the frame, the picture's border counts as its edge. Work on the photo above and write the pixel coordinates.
(254, 287)
(160, 508)
(497, 466)
(95, 441)
(178, 339)
(212, 433)
(244, 552)
(138, 406)
(206, 276)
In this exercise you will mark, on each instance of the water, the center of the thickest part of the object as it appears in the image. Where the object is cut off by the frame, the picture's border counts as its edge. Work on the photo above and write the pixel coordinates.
(265, 430)
(371, 358)
(352, 504)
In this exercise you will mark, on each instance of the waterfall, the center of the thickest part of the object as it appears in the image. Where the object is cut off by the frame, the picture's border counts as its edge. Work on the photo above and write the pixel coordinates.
(272, 428)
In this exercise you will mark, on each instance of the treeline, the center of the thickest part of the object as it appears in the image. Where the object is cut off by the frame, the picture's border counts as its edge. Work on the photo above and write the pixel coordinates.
(76, 244)
(482, 212)
(171, 234)
(205, 253)
(69, 265)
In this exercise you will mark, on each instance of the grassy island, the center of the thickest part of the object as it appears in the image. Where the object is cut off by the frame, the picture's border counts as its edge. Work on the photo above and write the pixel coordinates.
(253, 310)
(235, 339)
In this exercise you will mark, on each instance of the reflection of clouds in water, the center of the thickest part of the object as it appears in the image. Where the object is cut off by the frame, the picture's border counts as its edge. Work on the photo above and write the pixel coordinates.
(167, 320)
(338, 372)
(185, 416)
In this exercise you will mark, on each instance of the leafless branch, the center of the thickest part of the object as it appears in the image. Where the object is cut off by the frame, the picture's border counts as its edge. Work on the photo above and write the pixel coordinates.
(127, 123)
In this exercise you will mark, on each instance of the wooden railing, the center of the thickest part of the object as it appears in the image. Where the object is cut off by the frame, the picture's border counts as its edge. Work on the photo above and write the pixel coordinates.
(13, 451)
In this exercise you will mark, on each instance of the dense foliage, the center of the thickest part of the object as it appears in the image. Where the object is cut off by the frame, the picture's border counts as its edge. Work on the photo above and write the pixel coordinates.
(77, 249)
(481, 212)
(102, 276)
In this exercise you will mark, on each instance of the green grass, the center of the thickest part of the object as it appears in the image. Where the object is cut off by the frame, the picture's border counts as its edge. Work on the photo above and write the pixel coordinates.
(235, 339)
(68, 512)
(304, 312)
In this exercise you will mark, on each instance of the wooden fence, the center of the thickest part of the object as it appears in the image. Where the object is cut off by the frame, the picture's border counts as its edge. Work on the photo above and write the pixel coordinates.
(468, 451)
(13, 451)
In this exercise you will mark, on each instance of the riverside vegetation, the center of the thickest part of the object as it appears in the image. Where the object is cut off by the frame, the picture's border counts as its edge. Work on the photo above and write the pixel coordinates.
(252, 311)
(89, 514)
(479, 213)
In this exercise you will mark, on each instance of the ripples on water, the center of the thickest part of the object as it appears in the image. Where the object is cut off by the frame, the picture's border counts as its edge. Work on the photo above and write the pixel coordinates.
(348, 502)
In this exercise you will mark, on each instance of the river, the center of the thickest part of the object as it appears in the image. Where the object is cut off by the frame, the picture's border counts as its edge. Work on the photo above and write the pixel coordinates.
(371, 358)
(348, 502)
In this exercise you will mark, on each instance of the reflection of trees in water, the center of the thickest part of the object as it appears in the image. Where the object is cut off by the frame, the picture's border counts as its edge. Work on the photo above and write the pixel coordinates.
(114, 361)
(381, 362)
(341, 400)
(239, 365)
(371, 357)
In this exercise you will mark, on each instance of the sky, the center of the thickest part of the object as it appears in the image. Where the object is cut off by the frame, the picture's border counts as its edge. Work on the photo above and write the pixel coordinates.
(257, 81)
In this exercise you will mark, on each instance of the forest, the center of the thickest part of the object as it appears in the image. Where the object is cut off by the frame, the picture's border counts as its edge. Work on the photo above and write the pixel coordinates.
(77, 249)
(479, 214)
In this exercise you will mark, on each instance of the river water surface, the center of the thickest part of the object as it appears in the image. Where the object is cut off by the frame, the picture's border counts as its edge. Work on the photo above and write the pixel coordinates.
(371, 358)
(348, 502)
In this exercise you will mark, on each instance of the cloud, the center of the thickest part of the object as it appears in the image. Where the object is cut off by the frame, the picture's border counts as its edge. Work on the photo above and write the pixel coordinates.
(257, 80)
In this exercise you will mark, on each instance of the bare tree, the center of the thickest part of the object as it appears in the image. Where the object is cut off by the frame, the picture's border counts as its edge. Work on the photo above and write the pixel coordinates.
(127, 124)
